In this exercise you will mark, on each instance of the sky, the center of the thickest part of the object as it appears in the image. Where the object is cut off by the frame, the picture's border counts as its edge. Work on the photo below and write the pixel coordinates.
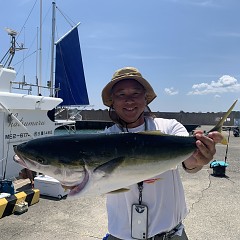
(189, 50)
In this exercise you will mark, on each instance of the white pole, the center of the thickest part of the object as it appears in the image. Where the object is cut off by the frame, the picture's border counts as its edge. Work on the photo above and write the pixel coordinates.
(52, 48)
(40, 52)
(37, 61)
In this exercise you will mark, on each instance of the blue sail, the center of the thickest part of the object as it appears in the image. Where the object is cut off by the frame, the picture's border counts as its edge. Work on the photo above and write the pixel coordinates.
(69, 73)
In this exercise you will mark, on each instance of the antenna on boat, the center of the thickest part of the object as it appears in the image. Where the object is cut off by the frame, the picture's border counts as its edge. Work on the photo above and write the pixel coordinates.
(39, 82)
(11, 51)
(52, 48)
(11, 32)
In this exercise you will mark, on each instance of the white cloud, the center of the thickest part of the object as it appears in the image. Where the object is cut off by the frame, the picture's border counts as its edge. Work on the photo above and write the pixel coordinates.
(201, 3)
(170, 91)
(226, 34)
(224, 84)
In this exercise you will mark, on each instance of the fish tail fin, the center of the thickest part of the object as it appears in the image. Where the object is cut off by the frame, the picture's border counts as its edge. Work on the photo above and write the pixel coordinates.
(218, 126)
(224, 141)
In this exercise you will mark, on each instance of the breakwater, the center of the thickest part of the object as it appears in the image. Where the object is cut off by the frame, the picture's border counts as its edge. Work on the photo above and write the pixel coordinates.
(186, 118)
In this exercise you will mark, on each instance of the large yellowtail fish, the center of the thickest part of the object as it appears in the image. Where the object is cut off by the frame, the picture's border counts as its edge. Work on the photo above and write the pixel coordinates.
(95, 164)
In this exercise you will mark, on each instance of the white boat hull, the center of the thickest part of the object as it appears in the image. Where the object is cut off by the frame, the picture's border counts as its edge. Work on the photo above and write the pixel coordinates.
(22, 117)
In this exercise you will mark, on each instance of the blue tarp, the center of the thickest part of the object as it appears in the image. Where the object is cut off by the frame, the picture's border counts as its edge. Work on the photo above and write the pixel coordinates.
(216, 163)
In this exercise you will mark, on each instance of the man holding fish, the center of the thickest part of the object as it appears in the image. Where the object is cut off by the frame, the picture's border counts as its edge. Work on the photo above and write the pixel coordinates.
(133, 162)
(154, 208)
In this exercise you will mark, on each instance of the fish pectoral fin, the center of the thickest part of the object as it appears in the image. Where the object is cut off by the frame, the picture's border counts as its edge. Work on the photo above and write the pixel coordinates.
(121, 190)
(108, 167)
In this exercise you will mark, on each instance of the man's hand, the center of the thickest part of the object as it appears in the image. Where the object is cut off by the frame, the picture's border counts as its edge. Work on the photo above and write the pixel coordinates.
(205, 150)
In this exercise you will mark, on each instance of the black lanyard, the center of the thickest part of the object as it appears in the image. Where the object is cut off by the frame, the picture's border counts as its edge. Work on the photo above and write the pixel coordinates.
(140, 184)
(140, 189)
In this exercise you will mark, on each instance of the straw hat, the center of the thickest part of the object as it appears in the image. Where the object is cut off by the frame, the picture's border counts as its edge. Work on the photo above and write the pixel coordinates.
(126, 73)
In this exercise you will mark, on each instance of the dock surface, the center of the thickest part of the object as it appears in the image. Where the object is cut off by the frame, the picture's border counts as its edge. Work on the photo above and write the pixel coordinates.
(213, 203)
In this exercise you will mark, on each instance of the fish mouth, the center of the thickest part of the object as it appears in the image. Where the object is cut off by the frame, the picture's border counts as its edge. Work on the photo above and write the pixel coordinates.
(20, 161)
(18, 158)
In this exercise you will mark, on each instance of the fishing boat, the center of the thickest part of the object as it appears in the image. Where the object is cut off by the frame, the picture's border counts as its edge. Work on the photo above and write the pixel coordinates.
(24, 116)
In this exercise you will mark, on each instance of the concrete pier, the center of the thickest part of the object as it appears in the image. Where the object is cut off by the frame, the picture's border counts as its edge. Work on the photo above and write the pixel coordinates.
(213, 204)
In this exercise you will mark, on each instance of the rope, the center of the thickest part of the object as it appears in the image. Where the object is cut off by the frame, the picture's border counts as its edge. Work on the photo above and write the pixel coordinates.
(27, 18)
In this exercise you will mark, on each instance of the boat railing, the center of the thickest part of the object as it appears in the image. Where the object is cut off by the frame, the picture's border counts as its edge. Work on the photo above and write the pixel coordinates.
(68, 113)
(22, 85)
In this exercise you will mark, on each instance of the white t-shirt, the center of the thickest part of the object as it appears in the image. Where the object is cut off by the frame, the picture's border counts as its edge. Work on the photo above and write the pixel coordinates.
(165, 197)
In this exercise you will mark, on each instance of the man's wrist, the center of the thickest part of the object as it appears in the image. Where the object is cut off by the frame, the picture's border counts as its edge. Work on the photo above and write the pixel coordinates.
(186, 168)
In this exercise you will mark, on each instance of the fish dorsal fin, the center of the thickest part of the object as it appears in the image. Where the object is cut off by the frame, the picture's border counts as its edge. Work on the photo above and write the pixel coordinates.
(154, 132)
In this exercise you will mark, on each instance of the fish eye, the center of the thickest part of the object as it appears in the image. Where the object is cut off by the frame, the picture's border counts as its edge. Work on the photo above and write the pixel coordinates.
(40, 160)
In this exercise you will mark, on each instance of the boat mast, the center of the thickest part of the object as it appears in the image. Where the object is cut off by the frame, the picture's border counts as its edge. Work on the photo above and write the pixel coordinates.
(40, 53)
(52, 48)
